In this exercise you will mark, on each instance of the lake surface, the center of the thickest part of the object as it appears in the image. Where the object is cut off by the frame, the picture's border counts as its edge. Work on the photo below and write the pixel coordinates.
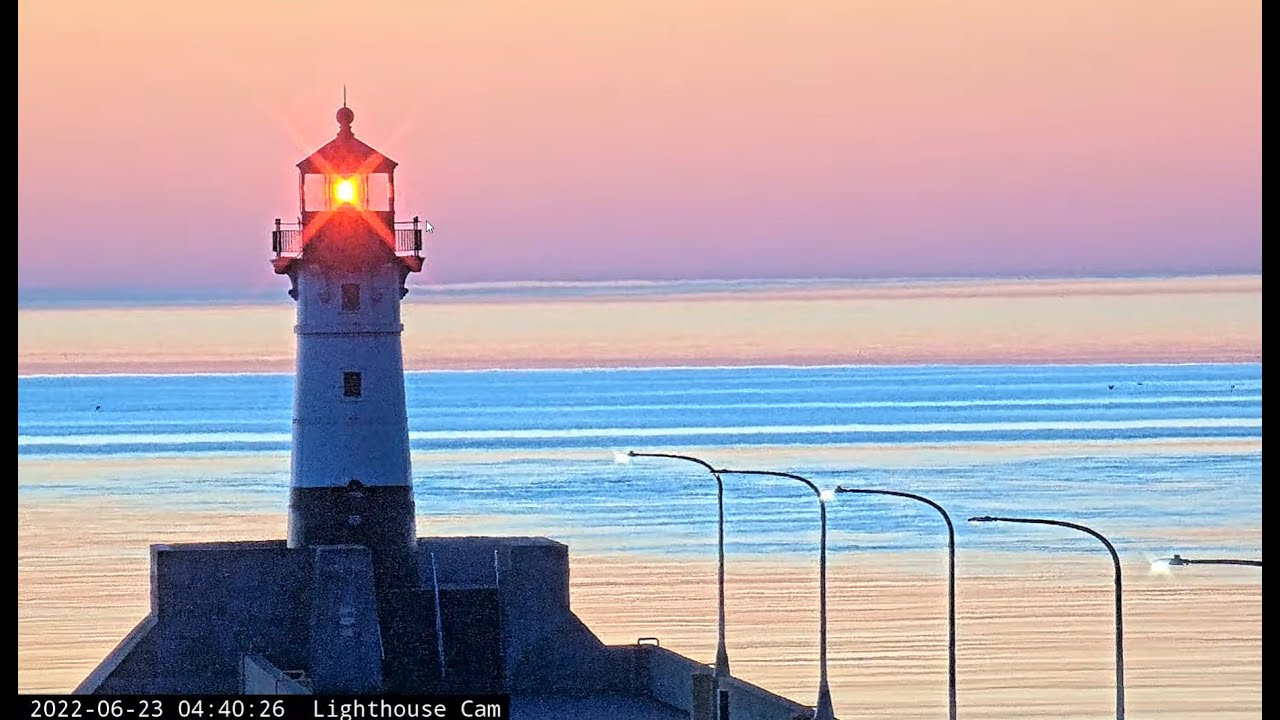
(1160, 458)
(1143, 452)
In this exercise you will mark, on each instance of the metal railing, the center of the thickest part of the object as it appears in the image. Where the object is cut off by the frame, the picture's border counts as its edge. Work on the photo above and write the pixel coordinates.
(409, 241)
(286, 238)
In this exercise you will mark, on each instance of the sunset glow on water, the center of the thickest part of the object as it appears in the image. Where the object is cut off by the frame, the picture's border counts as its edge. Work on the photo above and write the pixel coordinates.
(1198, 319)
(1163, 458)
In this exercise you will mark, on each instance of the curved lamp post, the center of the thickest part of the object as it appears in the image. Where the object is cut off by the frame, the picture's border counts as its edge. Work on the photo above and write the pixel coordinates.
(1115, 561)
(1179, 561)
(822, 710)
(722, 653)
(951, 583)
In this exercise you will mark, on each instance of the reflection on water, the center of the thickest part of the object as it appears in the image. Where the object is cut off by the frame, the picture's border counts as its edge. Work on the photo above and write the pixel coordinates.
(1034, 636)
(1161, 458)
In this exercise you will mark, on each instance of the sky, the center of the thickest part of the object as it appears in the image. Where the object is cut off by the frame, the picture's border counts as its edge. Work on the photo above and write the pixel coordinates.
(648, 139)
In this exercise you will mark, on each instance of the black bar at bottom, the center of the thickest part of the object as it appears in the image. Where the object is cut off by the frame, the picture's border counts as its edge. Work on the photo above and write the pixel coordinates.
(264, 707)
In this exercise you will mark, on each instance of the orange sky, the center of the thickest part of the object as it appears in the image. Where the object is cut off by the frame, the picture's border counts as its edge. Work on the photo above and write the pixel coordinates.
(649, 138)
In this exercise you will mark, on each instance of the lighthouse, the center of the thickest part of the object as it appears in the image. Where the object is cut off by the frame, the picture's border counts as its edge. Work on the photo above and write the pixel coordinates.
(352, 602)
(347, 259)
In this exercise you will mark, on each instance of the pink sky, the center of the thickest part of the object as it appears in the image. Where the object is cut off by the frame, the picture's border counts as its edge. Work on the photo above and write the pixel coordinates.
(649, 138)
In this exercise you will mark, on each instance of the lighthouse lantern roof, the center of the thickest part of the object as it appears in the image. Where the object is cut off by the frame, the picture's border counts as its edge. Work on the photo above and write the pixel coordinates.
(346, 154)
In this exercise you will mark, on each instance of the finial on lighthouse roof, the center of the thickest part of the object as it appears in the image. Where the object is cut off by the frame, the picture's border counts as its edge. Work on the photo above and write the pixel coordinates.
(345, 116)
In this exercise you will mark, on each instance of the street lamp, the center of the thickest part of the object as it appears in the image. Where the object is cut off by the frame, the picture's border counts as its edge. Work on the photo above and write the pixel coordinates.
(1179, 561)
(722, 653)
(951, 583)
(822, 710)
(1115, 561)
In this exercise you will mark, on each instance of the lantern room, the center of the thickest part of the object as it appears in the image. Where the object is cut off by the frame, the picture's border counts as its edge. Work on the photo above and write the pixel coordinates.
(346, 175)
(347, 188)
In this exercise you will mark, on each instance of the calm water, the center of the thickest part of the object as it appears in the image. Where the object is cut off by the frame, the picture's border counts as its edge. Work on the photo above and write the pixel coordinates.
(1160, 458)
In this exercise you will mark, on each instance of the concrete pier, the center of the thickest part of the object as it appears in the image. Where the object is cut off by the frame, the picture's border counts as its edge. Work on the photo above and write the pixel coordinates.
(260, 617)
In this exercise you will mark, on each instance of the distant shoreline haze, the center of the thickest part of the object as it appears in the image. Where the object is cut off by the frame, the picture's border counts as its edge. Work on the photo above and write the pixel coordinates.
(689, 323)
(40, 298)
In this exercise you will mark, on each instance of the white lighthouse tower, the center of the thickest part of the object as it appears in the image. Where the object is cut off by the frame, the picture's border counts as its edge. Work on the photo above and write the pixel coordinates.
(348, 258)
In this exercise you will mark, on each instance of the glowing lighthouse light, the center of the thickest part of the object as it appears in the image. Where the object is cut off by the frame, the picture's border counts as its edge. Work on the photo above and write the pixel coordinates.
(345, 190)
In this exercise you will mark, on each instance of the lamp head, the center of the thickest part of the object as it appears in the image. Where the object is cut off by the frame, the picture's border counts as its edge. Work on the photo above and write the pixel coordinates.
(982, 519)
(622, 458)
(346, 190)
(1164, 566)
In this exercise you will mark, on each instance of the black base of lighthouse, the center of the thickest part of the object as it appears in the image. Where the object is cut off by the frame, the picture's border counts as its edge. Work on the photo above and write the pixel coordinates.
(379, 517)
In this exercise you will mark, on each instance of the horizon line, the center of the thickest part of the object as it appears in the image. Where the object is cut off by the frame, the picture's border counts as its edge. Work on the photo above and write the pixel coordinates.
(40, 297)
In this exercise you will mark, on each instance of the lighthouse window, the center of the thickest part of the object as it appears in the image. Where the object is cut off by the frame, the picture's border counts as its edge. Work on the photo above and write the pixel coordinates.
(378, 187)
(350, 297)
(315, 192)
(352, 385)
